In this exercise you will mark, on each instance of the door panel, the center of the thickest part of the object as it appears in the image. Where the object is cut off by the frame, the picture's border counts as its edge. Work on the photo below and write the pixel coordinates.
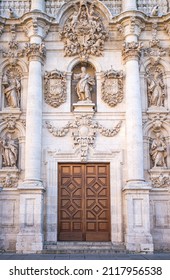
(84, 208)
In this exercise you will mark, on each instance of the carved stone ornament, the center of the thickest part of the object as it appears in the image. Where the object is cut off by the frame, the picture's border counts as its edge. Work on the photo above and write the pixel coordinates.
(9, 151)
(84, 33)
(35, 51)
(11, 82)
(10, 122)
(155, 86)
(161, 181)
(9, 181)
(55, 88)
(112, 87)
(84, 131)
(131, 50)
(13, 52)
(157, 122)
(158, 151)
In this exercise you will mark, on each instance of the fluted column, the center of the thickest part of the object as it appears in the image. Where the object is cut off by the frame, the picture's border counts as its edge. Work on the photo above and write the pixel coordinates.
(38, 5)
(36, 54)
(134, 133)
(129, 5)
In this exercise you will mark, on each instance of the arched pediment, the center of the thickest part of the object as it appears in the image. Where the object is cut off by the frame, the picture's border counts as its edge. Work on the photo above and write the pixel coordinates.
(68, 8)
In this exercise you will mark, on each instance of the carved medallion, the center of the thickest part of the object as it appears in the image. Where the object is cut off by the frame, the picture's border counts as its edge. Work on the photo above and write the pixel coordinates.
(84, 33)
(55, 88)
(112, 87)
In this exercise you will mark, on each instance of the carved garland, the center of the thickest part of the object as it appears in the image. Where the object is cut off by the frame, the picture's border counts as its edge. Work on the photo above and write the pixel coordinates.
(84, 130)
(160, 181)
(112, 87)
(55, 88)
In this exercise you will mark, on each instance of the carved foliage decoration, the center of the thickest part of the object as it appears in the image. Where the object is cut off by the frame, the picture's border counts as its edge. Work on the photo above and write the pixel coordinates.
(131, 49)
(84, 131)
(9, 181)
(55, 88)
(112, 87)
(84, 33)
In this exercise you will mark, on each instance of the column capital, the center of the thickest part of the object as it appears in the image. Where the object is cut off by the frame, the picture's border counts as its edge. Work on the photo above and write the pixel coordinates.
(131, 51)
(35, 51)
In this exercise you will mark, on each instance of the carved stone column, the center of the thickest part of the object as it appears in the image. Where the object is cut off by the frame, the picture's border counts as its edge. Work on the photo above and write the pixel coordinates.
(129, 5)
(136, 191)
(38, 5)
(135, 171)
(36, 54)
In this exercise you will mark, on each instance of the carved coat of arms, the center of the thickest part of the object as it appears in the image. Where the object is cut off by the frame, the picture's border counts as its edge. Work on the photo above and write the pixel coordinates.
(84, 33)
(112, 87)
(55, 88)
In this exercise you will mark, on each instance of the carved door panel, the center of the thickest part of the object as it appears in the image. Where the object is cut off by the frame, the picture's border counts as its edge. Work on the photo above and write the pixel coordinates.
(84, 207)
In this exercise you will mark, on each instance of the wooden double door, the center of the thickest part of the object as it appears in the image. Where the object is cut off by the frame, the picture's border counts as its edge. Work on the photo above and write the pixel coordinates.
(84, 202)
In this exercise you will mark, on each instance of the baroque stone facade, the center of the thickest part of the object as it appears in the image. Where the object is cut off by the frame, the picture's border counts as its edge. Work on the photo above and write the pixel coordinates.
(84, 124)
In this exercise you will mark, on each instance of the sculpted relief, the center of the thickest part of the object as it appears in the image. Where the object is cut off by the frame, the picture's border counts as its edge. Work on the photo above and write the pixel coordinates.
(112, 87)
(55, 88)
(83, 87)
(155, 87)
(11, 82)
(158, 151)
(9, 151)
(84, 33)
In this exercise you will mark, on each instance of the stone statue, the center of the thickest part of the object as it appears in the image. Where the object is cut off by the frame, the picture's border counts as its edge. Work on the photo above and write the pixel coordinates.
(156, 90)
(9, 150)
(158, 151)
(84, 85)
(155, 11)
(12, 90)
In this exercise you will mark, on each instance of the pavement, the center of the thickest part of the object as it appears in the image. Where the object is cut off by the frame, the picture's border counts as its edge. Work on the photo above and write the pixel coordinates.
(117, 256)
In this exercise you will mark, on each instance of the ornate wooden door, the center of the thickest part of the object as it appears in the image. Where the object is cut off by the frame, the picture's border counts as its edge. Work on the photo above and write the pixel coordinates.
(84, 202)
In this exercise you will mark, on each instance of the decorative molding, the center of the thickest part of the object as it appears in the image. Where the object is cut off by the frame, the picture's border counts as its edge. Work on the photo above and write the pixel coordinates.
(55, 88)
(35, 51)
(131, 50)
(84, 33)
(84, 131)
(112, 87)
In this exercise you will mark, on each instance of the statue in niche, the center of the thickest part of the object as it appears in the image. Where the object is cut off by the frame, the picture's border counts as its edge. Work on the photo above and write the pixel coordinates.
(156, 89)
(9, 150)
(158, 151)
(12, 89)
(84, 85)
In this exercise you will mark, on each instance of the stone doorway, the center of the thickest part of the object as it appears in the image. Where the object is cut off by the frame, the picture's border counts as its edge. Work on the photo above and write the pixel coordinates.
(84, 202)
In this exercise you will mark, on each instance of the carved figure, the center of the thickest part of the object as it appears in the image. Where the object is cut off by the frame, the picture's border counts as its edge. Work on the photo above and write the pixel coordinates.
(158, 151)
(155, 11)
(9, 150)
(83, 32)
(12, 88)
(156, 90)
(84, 85)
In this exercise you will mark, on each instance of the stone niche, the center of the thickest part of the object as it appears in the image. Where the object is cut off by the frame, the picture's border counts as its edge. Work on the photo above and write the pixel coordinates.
(88, 83)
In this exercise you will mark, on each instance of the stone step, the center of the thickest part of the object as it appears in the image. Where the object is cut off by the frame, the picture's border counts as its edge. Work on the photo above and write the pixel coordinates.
(83, 248)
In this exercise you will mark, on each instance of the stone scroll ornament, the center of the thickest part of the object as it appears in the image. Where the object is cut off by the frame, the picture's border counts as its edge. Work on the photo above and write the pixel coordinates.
(112, 87)
(55, 88)
(84, 130)
(84, 33)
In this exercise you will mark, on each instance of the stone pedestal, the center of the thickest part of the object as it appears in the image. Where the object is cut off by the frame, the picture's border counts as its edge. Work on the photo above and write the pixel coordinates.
(83, 107)
(30, 238)
(137, 216)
